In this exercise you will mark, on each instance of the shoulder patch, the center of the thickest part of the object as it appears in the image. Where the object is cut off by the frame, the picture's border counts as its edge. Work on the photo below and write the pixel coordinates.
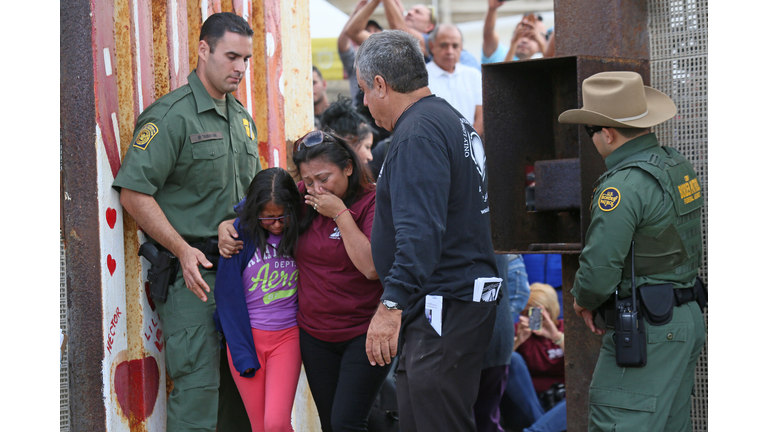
(609, 199)
(145, 136)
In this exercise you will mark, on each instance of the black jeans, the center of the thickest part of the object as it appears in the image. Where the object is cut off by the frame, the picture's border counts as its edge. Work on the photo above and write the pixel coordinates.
(344, 385)
(438, 377)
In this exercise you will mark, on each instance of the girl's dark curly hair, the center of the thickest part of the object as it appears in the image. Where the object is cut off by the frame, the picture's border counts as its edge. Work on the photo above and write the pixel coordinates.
(277, 186)
(337, 151)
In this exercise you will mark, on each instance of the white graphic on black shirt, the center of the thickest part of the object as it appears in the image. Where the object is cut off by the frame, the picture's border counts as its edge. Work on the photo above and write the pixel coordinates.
(478, 153)
(473, 147)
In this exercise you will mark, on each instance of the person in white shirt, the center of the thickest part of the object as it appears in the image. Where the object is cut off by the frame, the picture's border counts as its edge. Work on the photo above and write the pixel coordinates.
(458, 84)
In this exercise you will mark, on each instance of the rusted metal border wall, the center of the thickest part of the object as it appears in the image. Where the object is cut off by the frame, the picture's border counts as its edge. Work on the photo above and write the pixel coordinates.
(117, 57)
(679, 55)
(80, 210)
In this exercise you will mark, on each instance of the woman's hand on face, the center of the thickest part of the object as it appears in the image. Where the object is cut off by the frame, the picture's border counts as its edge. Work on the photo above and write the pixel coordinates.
(324, 202)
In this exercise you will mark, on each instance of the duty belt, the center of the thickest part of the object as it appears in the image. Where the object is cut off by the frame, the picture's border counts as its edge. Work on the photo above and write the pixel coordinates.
(681, 297)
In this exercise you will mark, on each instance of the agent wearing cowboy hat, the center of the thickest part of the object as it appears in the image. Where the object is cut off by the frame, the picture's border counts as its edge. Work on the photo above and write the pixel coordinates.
(649, 194)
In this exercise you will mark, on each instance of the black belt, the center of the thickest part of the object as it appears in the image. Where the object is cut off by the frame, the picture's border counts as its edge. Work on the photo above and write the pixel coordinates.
(681, 296)
(684, 295)
(209, 247)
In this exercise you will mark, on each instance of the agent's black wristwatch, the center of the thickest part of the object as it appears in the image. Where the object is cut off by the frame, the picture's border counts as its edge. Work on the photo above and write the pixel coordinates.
(391, 305)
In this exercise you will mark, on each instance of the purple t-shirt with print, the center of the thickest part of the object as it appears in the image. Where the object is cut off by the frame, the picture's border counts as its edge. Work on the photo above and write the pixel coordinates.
(270, 288)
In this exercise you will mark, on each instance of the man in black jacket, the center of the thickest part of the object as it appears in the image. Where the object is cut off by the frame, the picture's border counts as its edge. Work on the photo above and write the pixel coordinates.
(431, 241)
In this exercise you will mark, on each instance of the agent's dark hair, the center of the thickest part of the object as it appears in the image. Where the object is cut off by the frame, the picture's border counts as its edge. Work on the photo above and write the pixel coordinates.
(342, 119)
(217, 24)
(317, 71)
(273, 185)
(632, 132)
(394, 55)
(334, 149)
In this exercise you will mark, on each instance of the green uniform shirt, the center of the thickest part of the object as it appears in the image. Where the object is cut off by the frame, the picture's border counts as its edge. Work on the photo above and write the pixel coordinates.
(191, 159)
(626, 202)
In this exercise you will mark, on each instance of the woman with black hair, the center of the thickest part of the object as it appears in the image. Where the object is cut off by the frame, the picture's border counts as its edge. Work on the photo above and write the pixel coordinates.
(256, 301)
(339, 289)
(339, 286)
(342, 119)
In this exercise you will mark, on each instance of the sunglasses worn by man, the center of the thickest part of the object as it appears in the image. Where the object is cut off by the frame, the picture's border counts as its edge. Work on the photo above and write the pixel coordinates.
(591, 130)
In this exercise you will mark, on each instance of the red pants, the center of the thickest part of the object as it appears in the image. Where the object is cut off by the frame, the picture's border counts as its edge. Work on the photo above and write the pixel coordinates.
(268, 396)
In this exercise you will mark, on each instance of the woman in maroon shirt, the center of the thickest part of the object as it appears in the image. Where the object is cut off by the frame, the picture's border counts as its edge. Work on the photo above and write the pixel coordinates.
(542, 350)
(339, 289)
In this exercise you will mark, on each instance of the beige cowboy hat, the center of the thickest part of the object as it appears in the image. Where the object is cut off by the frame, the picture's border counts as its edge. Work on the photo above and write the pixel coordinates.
(619, 99)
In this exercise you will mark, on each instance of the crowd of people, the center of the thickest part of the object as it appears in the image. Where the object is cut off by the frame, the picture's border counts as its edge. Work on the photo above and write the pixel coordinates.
(378, 261)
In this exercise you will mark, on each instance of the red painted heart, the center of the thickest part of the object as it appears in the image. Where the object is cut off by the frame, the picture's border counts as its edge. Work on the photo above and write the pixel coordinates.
(111, 217)
(149, 297)
(111, 264)
(136, 385)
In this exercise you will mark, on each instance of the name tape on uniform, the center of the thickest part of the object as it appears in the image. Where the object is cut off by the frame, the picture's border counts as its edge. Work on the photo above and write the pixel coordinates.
(205, 136)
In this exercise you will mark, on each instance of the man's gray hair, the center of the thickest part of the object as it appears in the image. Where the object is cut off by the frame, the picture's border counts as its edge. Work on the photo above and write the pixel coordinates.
(395, 56)
(433, 34)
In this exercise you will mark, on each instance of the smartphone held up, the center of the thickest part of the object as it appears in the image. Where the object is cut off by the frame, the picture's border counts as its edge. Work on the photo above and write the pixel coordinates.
(534, 314)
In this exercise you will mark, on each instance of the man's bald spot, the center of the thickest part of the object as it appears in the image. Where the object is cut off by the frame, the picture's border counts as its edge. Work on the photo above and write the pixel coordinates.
(442, 28)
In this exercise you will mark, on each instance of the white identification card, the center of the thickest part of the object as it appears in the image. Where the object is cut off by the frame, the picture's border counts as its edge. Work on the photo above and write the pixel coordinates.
(486, 289)
(433, 309)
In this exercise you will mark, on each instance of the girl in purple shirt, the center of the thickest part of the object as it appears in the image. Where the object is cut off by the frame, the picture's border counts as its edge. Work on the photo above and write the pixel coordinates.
(256, 297)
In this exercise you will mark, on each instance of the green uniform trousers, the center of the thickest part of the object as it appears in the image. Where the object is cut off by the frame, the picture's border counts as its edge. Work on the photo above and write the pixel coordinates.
(656, 397)
(193, 361)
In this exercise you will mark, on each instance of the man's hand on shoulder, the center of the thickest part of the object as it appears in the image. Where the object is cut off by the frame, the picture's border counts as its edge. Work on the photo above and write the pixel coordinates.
(189, 259)
(228, 243)
(383, 333)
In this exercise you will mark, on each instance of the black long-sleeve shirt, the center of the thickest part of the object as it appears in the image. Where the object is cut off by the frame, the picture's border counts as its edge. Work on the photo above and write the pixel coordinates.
(431, 230)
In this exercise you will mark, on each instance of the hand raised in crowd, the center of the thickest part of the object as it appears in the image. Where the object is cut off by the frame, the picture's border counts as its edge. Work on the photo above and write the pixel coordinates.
(228, 243)
(527, 28)
(523, 330)
(548, 327)
(360, 4)
(189, 259)
(589, 318)
(494, 4)
(324, 202)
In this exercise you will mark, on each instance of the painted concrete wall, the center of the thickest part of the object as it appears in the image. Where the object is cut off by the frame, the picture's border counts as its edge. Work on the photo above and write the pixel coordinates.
(141, 50)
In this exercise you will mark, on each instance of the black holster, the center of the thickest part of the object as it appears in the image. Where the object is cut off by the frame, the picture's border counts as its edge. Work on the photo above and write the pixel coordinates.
(629, 335)
(657, 303)
(700, 293)
(162, 271)
(210, 247)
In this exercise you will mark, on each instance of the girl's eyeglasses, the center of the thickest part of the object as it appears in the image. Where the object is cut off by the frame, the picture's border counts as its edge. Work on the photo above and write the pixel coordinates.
(272, 220)
(311, 139)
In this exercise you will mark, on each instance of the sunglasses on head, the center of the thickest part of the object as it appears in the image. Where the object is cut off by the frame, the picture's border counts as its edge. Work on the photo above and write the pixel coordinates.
(273, 220)
(591, 130)
(312, 139)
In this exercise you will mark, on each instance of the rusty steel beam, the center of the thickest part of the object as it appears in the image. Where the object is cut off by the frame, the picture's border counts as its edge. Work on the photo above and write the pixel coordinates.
(80, 209)
(558, 185)
(617, 29)
(581, 354)
(275, 93)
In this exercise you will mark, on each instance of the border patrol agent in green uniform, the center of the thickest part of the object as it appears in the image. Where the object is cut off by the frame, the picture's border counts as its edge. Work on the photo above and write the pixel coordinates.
(193, 156)
(649, 195)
